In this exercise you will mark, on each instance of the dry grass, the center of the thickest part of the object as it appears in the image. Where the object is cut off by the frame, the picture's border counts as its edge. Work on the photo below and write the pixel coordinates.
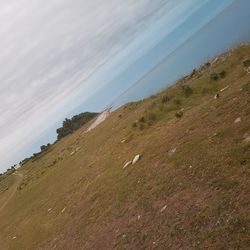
(194, 198)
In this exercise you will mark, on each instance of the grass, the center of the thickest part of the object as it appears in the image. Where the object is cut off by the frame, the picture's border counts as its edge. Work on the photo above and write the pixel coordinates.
(88, 201)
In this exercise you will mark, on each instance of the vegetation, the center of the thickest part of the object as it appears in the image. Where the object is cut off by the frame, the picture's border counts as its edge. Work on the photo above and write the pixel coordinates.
(8, 172)
(71, 125)
(190, 189)
(217, 76)
(246, 63)
(45, 147)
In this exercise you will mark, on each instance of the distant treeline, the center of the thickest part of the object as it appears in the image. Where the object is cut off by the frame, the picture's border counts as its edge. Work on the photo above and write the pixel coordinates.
(70, 125)
(8, 172)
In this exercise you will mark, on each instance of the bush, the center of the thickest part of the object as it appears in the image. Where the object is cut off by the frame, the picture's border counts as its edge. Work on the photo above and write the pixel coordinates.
(186, 90)
(246, 63)
(217, 76)
(70, 125)
(142, 119)
(222, 74)
(134, 124)
(165, 99)
(179, 114)
(214, 76)
(246, 87)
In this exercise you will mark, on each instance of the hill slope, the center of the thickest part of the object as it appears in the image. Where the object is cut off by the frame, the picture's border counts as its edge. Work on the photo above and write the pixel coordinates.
(190, 189)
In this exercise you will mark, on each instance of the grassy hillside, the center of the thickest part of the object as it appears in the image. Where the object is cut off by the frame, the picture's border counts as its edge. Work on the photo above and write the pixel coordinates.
(190, 189)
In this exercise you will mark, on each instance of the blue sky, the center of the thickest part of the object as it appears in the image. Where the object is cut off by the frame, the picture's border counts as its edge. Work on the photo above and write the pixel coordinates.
(63, 57)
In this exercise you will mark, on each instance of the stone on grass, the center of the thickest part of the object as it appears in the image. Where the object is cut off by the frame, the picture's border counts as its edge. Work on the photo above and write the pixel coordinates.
(77, 149)
(237, 120)
(246, 138)
(127, 164)
(224, 89)
(163, 209)
(172, 151)
(136, 159)
(217, 96)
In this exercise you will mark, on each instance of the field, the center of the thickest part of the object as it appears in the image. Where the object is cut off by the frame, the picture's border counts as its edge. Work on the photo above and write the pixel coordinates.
(189, 190)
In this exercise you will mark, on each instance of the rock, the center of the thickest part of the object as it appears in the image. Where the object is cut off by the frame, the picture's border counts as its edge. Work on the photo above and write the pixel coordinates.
(214, 61)
(14, 237)
(172, 151)
(237, 120)
(123, 141)
(63, 210)
(163, 209)
(127, 164)
(217, 96)
(77, 149)
(246, 138)
(136, 159)
(224, 89)
(72, 153)
(49, 209)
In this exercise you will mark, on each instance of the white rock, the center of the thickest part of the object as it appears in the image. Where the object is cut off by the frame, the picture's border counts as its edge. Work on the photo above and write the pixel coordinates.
(172, 151)
(163, 209)
(63, 210)
(127, 164)
(136, 159)
(77, 149)
(237, 120)
(246, 138)
(224, 89)
(216, 96)
(72, 153)
(14, 237)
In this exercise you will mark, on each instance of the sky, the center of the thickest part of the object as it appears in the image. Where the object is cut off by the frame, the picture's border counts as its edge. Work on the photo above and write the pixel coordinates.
(58, 58)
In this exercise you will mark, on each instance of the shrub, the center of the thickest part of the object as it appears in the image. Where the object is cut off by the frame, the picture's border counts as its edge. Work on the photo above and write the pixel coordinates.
(179, 114)
(165, 99)
(222, 74)
(142, 119)
(246, 87)
(246, 63)
(134, 124)
(217, 76)
(70, 125)
(214, 76)
(186, 90)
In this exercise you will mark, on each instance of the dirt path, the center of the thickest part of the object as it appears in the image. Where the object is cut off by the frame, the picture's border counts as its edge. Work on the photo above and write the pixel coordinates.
(18, 177)
(101, 118)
